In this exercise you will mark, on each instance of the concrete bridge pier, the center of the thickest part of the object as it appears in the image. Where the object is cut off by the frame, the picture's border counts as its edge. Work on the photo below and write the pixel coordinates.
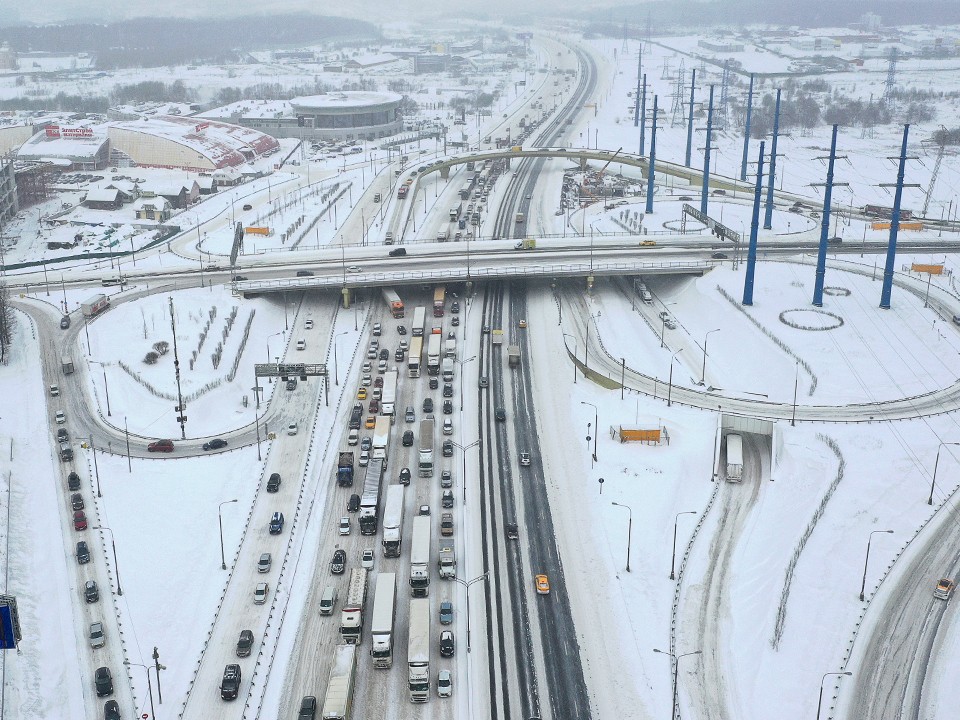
(346, 298)
(445, 172)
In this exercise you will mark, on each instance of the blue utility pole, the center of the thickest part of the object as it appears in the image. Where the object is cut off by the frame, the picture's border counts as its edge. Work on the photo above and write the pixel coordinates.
(693, 86)
(825, 225)
(653, 156)
(754, 227)
(746, 131)
(894, 227)
(706, 157)
(768, 211)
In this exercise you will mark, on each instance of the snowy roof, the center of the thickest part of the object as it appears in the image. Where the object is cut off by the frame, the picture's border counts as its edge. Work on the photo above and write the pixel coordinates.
(345, 100)
(102, 195)
(251, 109)
(371, 60)
(154, 202)
(46, 145)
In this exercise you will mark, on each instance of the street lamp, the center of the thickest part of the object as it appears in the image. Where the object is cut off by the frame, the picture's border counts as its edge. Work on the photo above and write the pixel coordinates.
(223, 559)
(466, 584)
(596, 428)
(796, 382)
(461, 363)
(935, 464)
(106, 388)
(676, 670)
(866, 560)
(703, 371)
(673, 556)
(269, 338)
(463, 454)
(629, 529)
(825, 676)
(128, 663)
(336, 369)
(568, 335)
(116, 565)
(670, 386)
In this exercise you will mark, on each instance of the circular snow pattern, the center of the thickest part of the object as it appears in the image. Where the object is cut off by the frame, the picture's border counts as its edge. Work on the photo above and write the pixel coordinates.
(811, 319)
(837, 291)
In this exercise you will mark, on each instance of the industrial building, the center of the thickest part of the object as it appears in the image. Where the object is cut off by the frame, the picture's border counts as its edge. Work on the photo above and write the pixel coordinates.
(338, 116)
(8, 192)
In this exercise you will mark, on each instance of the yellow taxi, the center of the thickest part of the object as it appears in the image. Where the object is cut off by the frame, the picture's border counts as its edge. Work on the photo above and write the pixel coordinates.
(648, 243)
(362, 394)
(542, 584)
(370, 422)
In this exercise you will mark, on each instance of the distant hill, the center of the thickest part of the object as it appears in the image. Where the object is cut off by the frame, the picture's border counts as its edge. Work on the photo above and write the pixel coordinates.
(153, 42)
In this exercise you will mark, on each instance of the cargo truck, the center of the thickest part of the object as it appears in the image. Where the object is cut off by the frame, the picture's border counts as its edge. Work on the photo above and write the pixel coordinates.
(513, 356)
(338, 702)
(450, 347)
(393, 302)
(345, 469)
(446, 369)
(447, 559)
(414, 357)
(419, 321)
(418, 650)
(420, 557)
(439, 298)
(433, 353)
(402, 192)
(734, 458)
(425, 456)
(382, 619)
(66, 364)
(381, 438)
(393, 521)
(388, 395)
(369, 512)
(95, 305)
(351, 616)
(496, 337)
(355, 416)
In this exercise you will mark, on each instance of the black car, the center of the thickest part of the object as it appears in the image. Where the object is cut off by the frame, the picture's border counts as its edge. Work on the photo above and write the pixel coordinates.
(448, 407)
(239, 278)
(455, 321)
(65, 322)
(719, 256)
(353, 504)
(76, 501)
(428, 405)
(215, 444)
(91, 593)
(455, 307)
(398, 355)
(308, 708)
(83, 552)
(292, 384)
(73, 482)
(398, 252)
(62, 435)
(448, 448)
(304, 273)
(401, 329)
(434, 383)
(384, 354)
(408, 438)
(448, 390)
(500, 414)
(405, 476)
(273, 484)
(111, 710)
(447, 644)
(104, 681)
(230, 684)
(339, 562)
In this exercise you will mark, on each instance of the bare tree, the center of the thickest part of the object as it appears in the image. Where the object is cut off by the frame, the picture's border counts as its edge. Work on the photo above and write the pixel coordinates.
(6, 322)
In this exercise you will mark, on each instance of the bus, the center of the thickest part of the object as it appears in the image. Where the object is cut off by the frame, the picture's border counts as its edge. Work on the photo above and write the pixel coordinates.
(415, 358)
(439, 299)
(419, 321)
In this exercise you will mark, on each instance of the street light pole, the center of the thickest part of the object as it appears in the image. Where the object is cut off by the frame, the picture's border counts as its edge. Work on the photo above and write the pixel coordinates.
(462, 363)
(796, 382)
(825, 676)
(463, 454)
(629, 529)
(153, 713)
(466, 584)
(223, 558)
(596, 428)
(116, 565)
(676, 672)
(269, 338)
(673, 555)
(866, 560)
(703, 371)
(670, 386)
(935, 464)
(568, 335)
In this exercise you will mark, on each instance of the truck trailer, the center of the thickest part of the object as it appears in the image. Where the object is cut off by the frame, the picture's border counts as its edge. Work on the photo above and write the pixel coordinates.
(425, 455)
(381, 620)
(338, 701)
(388, 395)
(370, 499)
(393, 302)
(95, 305)
(351, 616)
(345, 469)
(433, 353)
(381, 437)
(734, 458)
(420, 557)
(418, 650)
(393, 521)
(513, 356)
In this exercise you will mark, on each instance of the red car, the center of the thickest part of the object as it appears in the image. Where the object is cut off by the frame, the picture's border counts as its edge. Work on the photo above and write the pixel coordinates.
(79, 520)
(374, 406)
(160, 446)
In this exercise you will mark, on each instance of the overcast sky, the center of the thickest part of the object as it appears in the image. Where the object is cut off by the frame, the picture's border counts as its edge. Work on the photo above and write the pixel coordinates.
(372, 10)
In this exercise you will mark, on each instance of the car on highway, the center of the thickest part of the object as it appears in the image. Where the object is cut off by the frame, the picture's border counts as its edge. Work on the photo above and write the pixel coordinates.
(446, 479)
(370, 423)
(447, 448)
(446, 613)
(308, 324)
(79, 520)
(54, 391)
(83, 553)
(292, 428)
(542, 584)
(96, 635)
(245, 643)
(339, 562)
(524, 459)
(398, 252)
(160, 446)
(248, 207)
(76, 501)
(91, 593)
(214, 444)
(512, 531)
(447, 643)
(446, 500)
(398, 355)
(366, 443)
(111, 710)
(401, 329)
(308, 708)
(410, 414)
(276, 523)
(384, 354)
(500, 414)
(354, 268)
(60, 417)
(408, 438)
(366, 559)
(345, 525)
(523, 323)
(103, 680)
(944, 589)
(264, 563)
(63, 435)
(304, 273)
(447, 407)
(447, 422)
(273, 484)
(719, 256)
(448, 390)
(362, 393)
(484, 381)
(366, 379)
(73, 482)
(434, 383)
(455, 321)
(364, 459)
(444, 684)
(405, 476)
(260, 593)
(428, 405)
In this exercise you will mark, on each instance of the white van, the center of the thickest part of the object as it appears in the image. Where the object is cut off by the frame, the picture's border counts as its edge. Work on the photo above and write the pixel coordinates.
(353, 438)
(328, 600)
(301, 344)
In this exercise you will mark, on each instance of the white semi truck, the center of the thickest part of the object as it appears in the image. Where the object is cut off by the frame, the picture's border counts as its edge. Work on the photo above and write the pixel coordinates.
(420, 557)
(351, 616)
(381, 623)
(338, 701)
(418, 650)
(393, 521)
(388, 396)
(734, 458)
(425, 455)
(381, 438)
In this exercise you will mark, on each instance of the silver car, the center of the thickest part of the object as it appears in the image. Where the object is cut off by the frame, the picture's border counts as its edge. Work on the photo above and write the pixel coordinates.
(97, 638)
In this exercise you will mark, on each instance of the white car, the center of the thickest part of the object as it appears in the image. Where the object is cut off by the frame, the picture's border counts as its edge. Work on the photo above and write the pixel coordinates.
(444, 684)
(345, 526)
(260, 593)
(292, 428)
(364, 458)
(60, 417)
(308, 324)
(524, 458)
(354, 269)
(97, 638)
(366, 559)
